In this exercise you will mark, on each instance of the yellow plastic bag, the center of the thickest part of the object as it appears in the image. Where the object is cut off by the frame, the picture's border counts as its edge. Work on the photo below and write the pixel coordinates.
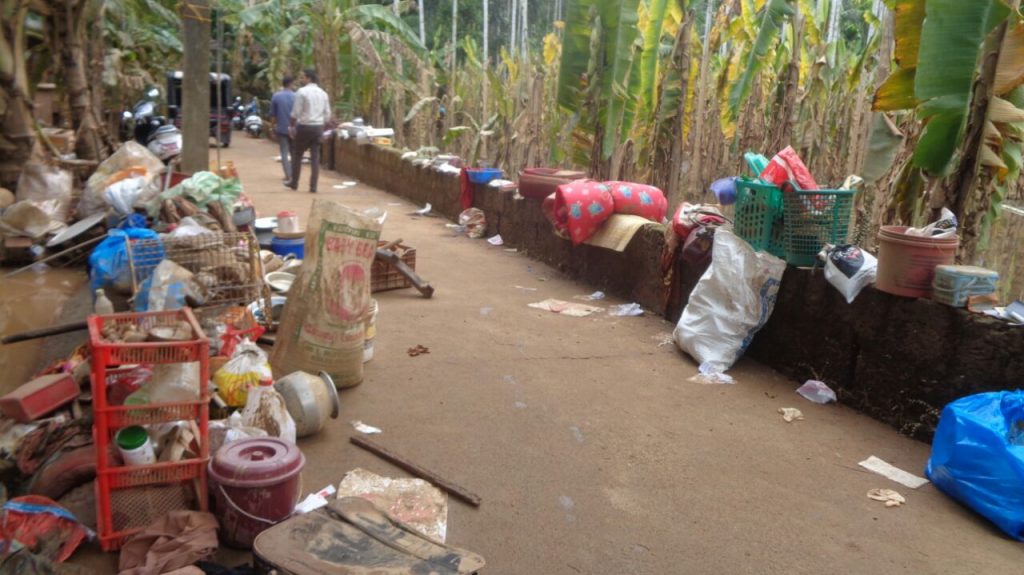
(247, 368)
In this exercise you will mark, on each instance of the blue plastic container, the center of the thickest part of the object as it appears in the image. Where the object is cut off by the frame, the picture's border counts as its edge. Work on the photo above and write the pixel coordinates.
(283, 247)
(484, 175)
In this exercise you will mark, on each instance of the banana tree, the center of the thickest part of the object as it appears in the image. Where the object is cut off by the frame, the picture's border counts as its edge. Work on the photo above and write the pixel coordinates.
(598, 82)
(959, 68)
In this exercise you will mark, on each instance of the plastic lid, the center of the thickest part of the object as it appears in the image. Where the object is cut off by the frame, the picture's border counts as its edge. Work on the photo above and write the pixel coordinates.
(256, 462)
(131, 438)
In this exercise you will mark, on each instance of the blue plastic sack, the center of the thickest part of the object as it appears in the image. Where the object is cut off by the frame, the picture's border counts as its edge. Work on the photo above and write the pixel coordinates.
(978, 457)
(108, 263)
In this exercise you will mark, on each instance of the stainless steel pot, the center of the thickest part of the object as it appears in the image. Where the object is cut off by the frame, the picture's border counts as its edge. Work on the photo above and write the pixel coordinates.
(311, 400)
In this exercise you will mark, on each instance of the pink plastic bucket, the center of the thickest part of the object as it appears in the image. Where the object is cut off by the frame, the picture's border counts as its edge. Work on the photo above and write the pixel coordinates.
(255, 483)
(906, 264)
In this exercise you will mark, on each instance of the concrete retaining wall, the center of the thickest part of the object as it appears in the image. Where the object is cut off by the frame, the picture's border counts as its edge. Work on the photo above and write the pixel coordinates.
(897, 359)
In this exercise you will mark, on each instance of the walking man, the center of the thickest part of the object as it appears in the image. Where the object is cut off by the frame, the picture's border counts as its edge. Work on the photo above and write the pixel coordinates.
(310, 114)
(281, 105)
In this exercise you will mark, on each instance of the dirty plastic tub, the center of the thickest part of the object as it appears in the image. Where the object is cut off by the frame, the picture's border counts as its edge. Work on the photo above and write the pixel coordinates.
(906, 264)
(255, 484)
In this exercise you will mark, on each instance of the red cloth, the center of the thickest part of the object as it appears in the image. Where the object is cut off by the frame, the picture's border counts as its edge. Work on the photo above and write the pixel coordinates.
(639, 200)
(582, 206)
(465, 190)
(787, 166)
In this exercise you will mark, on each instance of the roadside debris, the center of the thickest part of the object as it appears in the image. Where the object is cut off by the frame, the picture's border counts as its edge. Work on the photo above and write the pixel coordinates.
(176, 540)
(626, 310)
(418, 350)
(708, 375)
(598, 295)
(566, 308)
(315, 501)
(889, 471)
(424, 211)
(816, 391)
(791, 414)
(496, 240)
(473, 222)
(890, 497)
(364, 428)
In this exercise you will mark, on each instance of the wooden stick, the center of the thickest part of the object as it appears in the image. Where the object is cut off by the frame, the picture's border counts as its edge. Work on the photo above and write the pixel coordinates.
(44, 332)
(57, 255)
(379, 450)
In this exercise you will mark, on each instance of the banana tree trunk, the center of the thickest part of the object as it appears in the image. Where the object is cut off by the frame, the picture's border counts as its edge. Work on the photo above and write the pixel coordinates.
(70, 22)
(697, 147)
(969, 200)
(16, 134)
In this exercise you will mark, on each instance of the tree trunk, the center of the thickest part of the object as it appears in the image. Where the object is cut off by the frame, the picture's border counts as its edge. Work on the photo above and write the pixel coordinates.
(697, 150)
(961, 186)
(195, 20)
(70, 22)
(17, 138)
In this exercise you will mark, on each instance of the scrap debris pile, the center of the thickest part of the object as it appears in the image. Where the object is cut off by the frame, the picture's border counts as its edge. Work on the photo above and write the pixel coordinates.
(170, 430)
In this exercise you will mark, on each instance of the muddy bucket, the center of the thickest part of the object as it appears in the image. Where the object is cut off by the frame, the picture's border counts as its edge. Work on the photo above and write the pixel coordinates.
(255, 484)
(906, 264)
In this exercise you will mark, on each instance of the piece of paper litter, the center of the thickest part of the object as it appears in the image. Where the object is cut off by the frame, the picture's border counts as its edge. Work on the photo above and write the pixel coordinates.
(363, 428)
(889, 471)
(566, 308)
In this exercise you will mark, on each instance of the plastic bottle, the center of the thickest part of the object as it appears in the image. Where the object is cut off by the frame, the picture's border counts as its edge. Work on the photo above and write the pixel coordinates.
(102, 305)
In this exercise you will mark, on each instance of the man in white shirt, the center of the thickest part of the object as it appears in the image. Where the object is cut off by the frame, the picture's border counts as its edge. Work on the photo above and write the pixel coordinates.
(310, 114)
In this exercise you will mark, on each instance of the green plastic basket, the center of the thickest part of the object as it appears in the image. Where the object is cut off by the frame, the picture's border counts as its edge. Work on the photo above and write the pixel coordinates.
(815, 218)
(760, 215)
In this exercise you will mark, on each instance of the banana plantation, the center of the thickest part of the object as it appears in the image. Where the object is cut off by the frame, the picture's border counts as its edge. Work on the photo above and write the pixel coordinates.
(669, 92)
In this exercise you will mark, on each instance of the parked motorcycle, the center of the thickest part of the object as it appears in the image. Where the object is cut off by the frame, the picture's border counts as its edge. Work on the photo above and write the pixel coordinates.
(237, 111)
(253, 121)
(150, 129)
(165, 142)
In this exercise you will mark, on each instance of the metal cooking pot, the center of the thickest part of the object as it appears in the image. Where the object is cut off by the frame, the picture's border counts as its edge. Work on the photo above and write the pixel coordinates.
(310, 400)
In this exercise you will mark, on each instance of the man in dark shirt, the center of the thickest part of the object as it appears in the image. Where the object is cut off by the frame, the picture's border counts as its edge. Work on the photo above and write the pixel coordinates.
(281, 105)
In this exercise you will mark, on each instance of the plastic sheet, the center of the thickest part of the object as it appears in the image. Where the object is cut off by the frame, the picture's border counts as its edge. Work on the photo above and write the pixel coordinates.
(414, 502)
(47, 187)
(130, 160)
(109, 267)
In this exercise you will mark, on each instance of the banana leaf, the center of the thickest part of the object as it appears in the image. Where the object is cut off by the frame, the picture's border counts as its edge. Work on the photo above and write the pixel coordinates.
(771, 21)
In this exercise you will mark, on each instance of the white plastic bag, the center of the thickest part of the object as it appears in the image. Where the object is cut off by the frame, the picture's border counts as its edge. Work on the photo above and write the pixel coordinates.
(732, 300)
(849, 269)
(265, 409)
(944, 227)
(225, 431)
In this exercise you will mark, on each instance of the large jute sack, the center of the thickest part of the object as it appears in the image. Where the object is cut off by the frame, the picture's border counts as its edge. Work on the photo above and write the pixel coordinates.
(322, 322)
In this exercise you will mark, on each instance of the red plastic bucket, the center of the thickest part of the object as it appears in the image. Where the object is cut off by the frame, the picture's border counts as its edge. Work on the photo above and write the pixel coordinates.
(255, 483)
(906, 264)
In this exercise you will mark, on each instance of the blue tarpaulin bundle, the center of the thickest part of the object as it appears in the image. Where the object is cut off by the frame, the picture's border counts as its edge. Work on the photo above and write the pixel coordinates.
(978, 457)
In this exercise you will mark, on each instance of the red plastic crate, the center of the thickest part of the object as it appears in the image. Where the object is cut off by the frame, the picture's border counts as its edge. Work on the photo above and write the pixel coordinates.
(155, 474)
(130, 498)
(113, 354)
(124, 415)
